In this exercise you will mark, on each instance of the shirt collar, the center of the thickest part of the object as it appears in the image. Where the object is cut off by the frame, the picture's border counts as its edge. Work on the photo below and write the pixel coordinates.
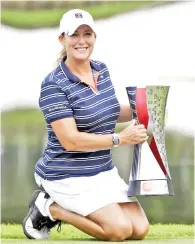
(70, 75)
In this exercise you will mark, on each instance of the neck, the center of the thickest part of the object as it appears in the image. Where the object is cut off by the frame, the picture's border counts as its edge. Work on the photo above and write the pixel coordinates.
(78, 67)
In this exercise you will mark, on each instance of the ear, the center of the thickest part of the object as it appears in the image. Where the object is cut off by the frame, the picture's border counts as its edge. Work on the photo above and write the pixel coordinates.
(61, 39)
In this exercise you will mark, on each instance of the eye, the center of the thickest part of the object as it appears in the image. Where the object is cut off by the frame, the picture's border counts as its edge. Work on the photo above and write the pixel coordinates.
(74, 34)
(88, 33)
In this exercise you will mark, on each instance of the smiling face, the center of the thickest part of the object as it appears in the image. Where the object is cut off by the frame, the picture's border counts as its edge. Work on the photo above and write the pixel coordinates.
(79, 46)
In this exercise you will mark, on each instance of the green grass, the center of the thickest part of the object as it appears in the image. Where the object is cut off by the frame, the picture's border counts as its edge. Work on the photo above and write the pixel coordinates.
(22, 117)
(50, 18)
(172, 233)
(98, 242)
(25, 125)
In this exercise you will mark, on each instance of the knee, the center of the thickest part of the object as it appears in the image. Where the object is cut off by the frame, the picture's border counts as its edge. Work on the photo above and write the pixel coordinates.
(140, 231)
(119, 232)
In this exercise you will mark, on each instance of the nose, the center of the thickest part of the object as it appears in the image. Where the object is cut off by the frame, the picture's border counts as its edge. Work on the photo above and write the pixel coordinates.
(81, 39)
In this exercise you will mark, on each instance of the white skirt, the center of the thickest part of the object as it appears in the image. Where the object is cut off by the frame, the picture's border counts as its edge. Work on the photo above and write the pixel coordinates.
(85, 195)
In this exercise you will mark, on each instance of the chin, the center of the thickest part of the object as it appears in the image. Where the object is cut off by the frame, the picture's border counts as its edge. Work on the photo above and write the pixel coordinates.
(82, 57)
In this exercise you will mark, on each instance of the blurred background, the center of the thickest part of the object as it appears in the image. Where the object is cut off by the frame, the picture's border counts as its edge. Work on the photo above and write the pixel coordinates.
(142, 43)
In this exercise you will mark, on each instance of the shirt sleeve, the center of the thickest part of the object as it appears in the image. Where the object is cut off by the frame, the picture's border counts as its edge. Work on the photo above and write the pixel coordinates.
(54, 103)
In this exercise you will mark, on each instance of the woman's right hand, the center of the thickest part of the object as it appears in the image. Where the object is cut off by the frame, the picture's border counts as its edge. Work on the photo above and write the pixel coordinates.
(133, 134)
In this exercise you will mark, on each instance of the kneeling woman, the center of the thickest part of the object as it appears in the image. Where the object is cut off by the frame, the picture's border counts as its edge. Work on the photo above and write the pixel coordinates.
(81, 185)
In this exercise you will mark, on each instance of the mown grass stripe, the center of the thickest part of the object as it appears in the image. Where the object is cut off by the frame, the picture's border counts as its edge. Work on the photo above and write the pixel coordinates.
(68, 232)
(180, 241)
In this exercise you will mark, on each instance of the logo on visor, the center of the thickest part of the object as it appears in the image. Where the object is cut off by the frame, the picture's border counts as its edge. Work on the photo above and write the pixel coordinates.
(78, 15)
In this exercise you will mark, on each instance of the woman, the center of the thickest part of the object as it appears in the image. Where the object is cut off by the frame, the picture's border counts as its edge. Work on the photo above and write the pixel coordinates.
(82, 187)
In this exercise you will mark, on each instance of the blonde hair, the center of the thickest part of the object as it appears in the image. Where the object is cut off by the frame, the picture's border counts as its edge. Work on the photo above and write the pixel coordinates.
(62, 54)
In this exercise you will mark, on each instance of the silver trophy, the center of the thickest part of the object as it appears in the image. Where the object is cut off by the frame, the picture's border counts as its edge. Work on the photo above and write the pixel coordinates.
(150, 175)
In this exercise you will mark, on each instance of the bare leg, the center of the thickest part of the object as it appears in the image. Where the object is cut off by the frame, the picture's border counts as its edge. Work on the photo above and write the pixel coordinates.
(82, 223)
(136, 215)
(108, 223)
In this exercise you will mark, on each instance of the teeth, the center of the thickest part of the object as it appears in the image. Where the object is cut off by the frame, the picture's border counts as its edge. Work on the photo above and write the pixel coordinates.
(81, 49)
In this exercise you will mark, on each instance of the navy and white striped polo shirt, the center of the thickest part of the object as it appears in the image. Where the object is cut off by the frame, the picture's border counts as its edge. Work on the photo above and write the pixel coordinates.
(64, 95)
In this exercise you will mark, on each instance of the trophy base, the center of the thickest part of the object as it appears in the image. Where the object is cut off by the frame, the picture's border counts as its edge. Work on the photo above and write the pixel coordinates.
(150, 188)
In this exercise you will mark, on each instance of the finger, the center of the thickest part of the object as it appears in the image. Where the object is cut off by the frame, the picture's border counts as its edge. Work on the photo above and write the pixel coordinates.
(144, 139)
(141, 126)
(142, 130)
(133, 122)
(136, 122)
(144, 135)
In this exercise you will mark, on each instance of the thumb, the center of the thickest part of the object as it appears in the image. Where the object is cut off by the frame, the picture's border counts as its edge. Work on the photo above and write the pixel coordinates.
(133, 122)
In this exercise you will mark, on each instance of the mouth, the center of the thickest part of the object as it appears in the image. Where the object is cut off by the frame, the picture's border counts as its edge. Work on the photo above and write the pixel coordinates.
(81, 49)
